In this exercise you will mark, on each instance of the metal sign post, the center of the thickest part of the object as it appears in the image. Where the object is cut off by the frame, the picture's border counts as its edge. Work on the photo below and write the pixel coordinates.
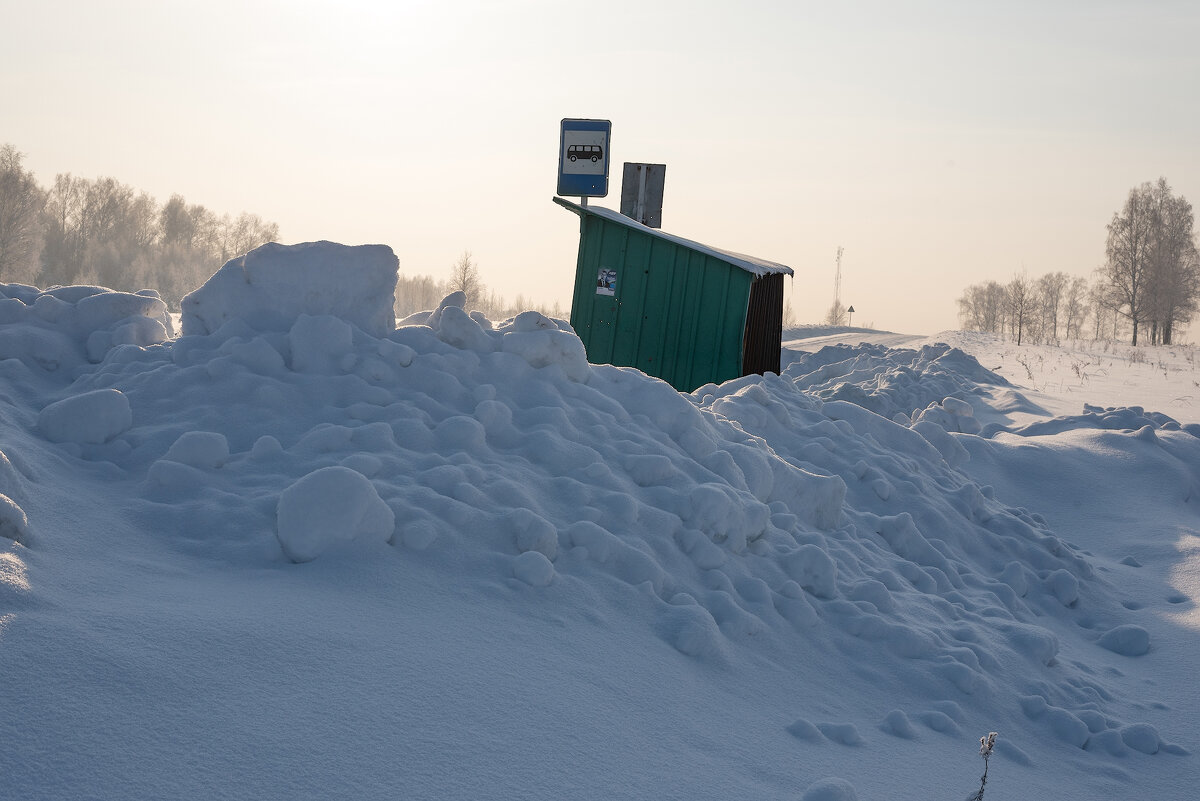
(642, 192)
(583, 158)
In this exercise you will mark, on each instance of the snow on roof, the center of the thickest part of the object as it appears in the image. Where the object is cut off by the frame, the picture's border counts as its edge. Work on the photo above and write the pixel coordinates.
(750, 264)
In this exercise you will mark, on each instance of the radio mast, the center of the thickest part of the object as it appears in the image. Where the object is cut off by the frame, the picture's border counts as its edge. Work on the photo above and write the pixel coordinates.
(837, 281)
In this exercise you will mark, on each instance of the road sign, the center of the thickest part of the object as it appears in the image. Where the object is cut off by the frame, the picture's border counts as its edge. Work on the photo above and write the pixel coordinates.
(642, 192)
(583, 158)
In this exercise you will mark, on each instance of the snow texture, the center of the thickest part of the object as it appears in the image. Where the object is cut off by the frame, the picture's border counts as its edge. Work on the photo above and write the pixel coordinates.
(454, 559)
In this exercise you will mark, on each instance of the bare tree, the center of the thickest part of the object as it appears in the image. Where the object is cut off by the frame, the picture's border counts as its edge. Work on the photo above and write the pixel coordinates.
(21, 202)
(1050, 290)
(982, 307)
(1127, 267)
(242, 234)
(836, 314)
(1075, 306)
(464, 277)
(1020, 296)
(1173, 280)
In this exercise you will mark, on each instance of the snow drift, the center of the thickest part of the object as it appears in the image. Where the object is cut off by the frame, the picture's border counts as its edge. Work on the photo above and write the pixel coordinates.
(842, 527)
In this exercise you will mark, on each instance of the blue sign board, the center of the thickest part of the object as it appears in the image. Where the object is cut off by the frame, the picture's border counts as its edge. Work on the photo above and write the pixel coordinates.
(583, 158)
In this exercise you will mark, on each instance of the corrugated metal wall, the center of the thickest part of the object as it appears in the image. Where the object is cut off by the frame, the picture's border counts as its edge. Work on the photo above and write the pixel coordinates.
(675, 313)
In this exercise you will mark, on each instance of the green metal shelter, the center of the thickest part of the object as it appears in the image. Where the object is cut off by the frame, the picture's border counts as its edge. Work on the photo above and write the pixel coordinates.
(685, 312)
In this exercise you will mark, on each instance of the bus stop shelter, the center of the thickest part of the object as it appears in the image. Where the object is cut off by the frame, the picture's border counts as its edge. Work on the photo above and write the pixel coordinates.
(685, 312)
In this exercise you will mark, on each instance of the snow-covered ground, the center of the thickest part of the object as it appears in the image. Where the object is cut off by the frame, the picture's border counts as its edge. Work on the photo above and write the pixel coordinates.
(292, 552)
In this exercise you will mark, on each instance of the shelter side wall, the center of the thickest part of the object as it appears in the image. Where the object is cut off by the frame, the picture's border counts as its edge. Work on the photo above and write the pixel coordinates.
(764, 326)
(594, 315)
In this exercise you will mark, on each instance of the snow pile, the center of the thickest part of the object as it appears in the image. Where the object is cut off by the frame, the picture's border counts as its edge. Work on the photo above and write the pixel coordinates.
(327, 505)
(466, 518)
(89, 418)
(274, 284)
(62, 329)
(891, 382)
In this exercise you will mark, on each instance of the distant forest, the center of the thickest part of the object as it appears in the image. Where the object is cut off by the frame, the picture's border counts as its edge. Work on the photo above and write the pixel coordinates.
(1148, 286)
(104, 233)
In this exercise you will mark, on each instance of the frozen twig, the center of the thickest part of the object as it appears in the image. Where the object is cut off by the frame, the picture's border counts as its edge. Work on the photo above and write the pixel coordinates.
(985, 750)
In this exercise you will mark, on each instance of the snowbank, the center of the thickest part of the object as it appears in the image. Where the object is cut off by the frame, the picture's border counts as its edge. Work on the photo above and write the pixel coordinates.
(830, 562)
(274, 284)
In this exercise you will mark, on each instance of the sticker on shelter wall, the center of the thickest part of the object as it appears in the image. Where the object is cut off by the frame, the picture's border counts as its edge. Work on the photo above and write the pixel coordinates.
(606, 282)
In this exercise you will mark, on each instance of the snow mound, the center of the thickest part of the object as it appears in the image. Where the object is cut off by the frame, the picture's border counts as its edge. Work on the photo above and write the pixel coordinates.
(274, 284)
(61, 329)
(842, 526)
(89, 418)
(14, 525)
(831, 789)
(891, 381)
(1127, 640)
(327, 506)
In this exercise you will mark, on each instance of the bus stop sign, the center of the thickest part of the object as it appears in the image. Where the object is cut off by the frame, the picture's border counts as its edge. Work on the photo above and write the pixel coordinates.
(583, 158)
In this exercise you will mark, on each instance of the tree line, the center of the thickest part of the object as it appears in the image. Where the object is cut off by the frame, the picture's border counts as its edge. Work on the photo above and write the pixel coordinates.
(104, 233)
(1149, 282)
(424, 292)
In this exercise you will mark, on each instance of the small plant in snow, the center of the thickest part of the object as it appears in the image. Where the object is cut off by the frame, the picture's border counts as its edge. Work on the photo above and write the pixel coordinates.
(985, 750)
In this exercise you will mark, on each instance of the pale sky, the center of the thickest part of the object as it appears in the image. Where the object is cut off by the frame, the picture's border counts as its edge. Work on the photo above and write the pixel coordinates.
(940, 143)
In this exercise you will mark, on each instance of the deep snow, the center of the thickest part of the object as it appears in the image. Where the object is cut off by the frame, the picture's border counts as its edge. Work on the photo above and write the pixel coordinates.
(294, 553)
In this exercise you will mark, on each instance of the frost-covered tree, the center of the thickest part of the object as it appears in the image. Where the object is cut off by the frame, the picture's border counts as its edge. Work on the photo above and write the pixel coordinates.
(1020, 306)
(1173, 283)
(21, 201)
(836, 315)
(464, 277)
(1151, 272)
(1075, 306)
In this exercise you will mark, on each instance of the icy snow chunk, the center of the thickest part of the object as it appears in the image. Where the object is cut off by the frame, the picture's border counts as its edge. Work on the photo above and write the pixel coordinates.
(950, 449)
(533, 532)
(1126, 640)
(1063, 586)
(419, 535)
(140, 331)
(534, 569)
(456, 327)
(897, 724)
(951, 414)
(433, 319)
(206, 450)
(396, 353)
(91, 418)
(274, 284)
(1141, 737)
(795, 608)
(813, 569)
(319, 344)
(266, 447)
(14, 525)
(842, 733)
(803, 729)
(692, 630)
(48, 350)
(11, 479)
(546, 346)
(1035, 642)
(873, 592)
(327, 506)
(831, 789)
